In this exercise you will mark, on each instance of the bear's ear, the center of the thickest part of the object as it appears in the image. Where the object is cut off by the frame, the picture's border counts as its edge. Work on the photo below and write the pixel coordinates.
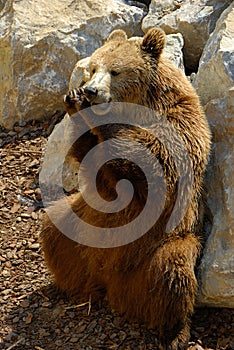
(117, 34)
(154, 42)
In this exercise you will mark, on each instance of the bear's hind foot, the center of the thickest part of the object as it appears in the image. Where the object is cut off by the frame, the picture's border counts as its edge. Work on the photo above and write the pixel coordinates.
(180, 342)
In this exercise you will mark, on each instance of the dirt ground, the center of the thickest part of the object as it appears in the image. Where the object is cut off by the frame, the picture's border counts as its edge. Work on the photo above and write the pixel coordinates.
(34, 315)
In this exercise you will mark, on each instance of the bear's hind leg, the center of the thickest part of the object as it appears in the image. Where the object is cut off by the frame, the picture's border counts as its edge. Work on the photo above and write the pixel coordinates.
(69, 263)
(161, 292)
(175, 284)
(63, 258)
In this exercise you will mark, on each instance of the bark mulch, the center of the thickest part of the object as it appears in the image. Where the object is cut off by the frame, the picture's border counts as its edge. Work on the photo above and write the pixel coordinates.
(34, 315)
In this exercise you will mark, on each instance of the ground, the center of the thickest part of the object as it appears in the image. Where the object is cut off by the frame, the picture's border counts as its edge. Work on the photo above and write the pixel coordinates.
(34, 315)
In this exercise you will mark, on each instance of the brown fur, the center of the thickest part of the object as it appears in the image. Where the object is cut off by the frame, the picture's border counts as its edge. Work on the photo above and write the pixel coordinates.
(152, 279)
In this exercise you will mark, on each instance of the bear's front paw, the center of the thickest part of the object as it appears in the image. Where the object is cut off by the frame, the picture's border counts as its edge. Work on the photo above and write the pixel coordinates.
(73, 96)
(75, 100)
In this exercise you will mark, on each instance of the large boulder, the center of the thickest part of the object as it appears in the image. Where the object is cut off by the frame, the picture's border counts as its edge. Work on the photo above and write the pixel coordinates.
(40, 42)
(216, 68)
(195, 20)
(173, 50)
(215, 84)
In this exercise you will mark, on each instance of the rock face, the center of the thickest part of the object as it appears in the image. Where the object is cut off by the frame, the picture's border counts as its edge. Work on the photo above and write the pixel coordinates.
(216, 69)
(59, 143)
(214, 83)
(40, 42)
(173, 50)
(195, 20)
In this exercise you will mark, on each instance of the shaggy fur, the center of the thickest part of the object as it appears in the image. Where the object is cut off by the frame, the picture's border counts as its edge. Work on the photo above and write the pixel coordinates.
(152, 279)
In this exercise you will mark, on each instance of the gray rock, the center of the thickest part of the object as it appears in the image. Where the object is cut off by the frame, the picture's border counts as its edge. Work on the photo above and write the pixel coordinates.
(217, 265)
(215, 85)
(216, 69)
(195, 20)
(40, 43)
(80, 73)
(173, 49)
(56, 162)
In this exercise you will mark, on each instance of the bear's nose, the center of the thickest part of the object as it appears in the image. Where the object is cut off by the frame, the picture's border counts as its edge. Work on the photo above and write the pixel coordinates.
(90, 92)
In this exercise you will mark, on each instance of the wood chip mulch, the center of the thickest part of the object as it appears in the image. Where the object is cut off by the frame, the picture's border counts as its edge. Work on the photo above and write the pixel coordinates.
(34, 315)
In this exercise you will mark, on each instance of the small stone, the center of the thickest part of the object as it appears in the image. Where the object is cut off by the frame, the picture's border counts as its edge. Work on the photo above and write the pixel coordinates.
(5, 273)
(58, 342)
(15, 319)
(103, 337)
(46, 304)
(32, 164)
(34, 215)
(28, 318)
(22, 124)
(11, 337)
(66, 330)
(17, 128)
(74, 340)
(6, 291)
(25, 303)
(91, 326)
(8, 264)
(81, 329)
(9, 255)
(42, 331)
(34, 246)
(24, 132)
(113, 336)
(24, 215)
(12, 133)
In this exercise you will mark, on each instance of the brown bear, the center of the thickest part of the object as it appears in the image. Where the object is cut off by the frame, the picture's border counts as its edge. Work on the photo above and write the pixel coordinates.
(151, 279)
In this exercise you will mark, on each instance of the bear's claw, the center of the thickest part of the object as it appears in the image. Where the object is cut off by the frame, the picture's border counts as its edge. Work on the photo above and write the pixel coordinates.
(75, 100)
(73, 96)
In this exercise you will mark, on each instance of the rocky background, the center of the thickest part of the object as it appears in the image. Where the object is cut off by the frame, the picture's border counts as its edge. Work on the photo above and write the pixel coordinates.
(41, 43)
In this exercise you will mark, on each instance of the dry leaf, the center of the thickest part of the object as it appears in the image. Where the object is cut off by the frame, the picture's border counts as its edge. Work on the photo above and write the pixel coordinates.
(30, 210)
(28, 191)
(28, 318)
(15, 208)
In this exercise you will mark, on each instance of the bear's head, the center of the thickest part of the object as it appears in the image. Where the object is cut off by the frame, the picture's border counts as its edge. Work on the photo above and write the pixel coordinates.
(121, 70)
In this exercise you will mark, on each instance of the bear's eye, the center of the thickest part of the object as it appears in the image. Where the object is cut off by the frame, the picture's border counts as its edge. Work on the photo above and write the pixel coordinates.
(93, 71)
(114, 73)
